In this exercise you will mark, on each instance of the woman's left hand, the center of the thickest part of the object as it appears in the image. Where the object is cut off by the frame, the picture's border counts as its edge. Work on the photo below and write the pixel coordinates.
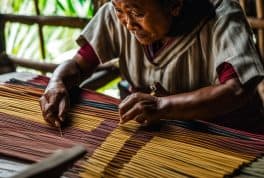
(144, 108)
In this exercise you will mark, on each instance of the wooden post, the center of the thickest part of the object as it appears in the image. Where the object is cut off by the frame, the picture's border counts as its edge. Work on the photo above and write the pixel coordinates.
(5, 64)
(243, 4)
(2, 37)
(41, 36)
(260, 15)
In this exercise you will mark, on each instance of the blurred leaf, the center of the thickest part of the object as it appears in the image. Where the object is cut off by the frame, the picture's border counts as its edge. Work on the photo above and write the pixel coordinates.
(82, 1)
(71, 8)
(6, 6)
(60, 5)
(42, 4)
(23, 40)
(90, 12)
(16, 5)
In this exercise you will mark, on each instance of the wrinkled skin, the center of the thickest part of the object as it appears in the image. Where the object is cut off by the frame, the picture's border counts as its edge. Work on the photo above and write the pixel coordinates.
(140, 17)
(144, 108)
(55, 103)
(143, 105)
(205, 103)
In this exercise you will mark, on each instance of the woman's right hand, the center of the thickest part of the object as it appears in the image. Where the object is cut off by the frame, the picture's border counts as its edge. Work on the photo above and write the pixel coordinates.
(55, 103)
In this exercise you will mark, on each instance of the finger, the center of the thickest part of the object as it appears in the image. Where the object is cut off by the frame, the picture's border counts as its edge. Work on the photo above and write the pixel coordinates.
(50, 110)
(148, 122)
(47, 120)
(44, 105)
(42, 102)
(146, 110)
(151, 122)
(129, 102)
(50, 118)
(57, 123)
(63, 108)
(132, 113)
(140, 119)
(54, 99)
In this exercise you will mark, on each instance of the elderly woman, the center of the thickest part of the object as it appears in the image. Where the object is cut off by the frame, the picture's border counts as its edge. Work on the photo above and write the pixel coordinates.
(199, 55)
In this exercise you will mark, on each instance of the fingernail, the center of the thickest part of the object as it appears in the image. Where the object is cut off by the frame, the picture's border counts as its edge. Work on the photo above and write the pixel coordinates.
(48, 115)
(57, 124)
(61, 119)
(120, 121)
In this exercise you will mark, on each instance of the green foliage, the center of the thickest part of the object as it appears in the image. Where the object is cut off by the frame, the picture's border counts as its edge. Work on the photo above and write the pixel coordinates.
(59, 39)
(23, 40)
(25, 7)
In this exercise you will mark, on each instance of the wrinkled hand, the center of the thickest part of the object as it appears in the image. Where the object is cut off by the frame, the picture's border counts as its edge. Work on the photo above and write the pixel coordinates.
(144, 108)
(54, 103)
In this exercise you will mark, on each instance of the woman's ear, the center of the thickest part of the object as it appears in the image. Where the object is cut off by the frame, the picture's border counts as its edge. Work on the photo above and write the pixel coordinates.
(176, 8)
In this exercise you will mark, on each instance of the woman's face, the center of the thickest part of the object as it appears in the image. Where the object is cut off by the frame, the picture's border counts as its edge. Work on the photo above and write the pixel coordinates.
(146, 19)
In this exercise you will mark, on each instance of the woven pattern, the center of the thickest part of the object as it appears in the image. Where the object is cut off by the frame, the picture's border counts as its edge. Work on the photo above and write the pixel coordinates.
(174, 149)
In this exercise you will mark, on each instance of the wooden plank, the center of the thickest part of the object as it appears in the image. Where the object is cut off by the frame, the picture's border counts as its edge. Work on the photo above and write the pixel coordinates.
(74, 22)
(256, 23)
(41, 35)
(2, 37)
(40, 66)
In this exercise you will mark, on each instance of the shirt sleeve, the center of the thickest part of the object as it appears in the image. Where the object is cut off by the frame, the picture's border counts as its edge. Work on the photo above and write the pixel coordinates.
(232, 42)
(87, 52)
(226, 72)
(100, 33)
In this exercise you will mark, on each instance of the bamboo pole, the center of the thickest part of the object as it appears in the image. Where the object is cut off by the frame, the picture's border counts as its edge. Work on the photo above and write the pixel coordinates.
(74, 22)
(2, 36)
(33, 64)
(40, 30)
(256, 23)
(260, 15)
(243, 4)
(50, 67)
